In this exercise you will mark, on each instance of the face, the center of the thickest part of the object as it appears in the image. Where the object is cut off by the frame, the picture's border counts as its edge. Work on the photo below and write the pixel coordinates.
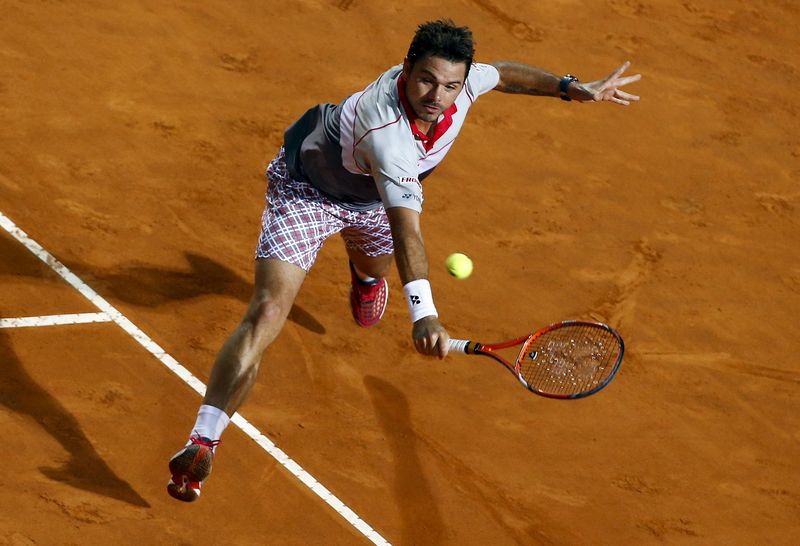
(432, 85)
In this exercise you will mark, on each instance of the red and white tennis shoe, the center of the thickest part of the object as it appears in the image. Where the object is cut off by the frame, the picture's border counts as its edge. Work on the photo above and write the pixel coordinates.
(189, 467)
(367, 300)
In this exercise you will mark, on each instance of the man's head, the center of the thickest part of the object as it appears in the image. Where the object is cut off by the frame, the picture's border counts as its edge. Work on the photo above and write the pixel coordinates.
(436, 67)
(442, 39)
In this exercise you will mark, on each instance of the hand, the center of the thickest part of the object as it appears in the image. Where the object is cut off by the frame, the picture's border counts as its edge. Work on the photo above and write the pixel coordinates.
(430, 337)
(606, 89)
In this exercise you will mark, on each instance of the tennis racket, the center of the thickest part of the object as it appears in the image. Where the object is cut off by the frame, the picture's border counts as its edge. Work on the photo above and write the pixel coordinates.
(569, 359)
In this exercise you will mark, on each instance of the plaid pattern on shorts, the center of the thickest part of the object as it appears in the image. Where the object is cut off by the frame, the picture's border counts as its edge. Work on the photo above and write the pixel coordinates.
(298, 218)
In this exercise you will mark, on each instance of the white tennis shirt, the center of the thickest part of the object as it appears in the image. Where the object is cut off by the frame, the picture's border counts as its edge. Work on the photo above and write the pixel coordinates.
(366, 151)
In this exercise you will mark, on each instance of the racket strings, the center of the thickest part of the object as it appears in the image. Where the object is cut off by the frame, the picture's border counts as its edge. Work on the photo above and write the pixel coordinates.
(569, 360)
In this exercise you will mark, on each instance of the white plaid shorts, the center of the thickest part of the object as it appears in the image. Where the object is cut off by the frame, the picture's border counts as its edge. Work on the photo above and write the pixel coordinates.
(298, 218)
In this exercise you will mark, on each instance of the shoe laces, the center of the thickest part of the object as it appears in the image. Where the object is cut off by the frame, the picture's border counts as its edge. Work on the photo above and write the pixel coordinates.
(199, 440)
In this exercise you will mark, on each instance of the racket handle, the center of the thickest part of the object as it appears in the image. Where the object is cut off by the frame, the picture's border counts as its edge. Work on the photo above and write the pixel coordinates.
(460, 345)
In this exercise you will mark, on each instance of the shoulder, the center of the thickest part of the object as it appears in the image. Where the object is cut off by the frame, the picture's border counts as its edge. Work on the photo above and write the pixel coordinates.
(482, 78)
(379, 103)
(378, 117)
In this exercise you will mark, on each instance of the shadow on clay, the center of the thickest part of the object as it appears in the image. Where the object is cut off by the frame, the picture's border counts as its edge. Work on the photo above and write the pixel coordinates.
(84, 469)
(148, 286)
(418, 509)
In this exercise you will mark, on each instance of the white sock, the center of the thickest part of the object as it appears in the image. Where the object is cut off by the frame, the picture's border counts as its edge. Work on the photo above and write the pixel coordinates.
(210, 422)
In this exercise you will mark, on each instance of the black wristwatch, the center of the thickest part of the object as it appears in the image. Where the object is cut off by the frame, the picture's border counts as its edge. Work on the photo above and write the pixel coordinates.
(563, 84)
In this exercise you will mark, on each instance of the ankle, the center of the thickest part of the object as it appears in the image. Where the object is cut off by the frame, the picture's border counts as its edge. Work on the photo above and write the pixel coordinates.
(210, 423)
(363, 278)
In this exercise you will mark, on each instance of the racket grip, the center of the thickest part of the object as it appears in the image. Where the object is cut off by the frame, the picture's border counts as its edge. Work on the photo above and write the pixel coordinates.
(459, 345)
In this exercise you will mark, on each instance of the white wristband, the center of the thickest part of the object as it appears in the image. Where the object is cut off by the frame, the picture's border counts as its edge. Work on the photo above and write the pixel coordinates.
(419, 299)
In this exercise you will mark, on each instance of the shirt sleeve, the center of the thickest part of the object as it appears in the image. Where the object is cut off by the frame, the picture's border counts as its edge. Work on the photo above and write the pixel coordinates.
(396, 175)
(482, 79)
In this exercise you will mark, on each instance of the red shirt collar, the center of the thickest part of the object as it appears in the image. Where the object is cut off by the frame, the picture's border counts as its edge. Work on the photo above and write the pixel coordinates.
(442, 125)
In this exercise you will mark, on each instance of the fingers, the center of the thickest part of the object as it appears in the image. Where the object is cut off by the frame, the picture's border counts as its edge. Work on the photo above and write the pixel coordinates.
(425, 345)
(613, 83)
(443, 345)
(433, 345)
(611, 78)
(618, 72)
(615, 79)
(627, 79)
(626, 96)
(608, 89)
(430, 338)
(615, 95)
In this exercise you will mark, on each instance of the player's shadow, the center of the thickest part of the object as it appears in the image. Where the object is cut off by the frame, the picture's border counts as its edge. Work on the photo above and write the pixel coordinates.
(149, 286)
(418, 509)
(84, 469)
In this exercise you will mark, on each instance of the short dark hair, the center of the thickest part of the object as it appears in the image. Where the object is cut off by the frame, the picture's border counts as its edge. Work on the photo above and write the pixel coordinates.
(443, 39)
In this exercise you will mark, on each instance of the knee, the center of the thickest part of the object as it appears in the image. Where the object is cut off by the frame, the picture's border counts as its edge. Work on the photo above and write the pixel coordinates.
(375, 267)
(377, 271)
(266, 316)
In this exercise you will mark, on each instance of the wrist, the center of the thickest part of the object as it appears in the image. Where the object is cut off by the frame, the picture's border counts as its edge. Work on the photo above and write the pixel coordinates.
(419, 299)
(563, 86)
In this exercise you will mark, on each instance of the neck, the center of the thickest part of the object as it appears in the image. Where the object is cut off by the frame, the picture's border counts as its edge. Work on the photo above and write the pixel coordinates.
(425, 126)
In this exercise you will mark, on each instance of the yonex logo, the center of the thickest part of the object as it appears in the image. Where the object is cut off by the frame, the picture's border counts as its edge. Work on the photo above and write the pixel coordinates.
(412, 196)
(414, 299)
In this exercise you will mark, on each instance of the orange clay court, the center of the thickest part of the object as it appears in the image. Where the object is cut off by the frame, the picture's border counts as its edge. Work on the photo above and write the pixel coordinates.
(133, 141)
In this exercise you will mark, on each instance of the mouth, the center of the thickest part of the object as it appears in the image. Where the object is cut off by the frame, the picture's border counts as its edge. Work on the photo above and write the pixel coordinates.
(431, 108)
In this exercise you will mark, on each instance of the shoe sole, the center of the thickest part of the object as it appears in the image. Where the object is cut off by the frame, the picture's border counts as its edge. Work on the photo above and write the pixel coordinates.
(182, 490)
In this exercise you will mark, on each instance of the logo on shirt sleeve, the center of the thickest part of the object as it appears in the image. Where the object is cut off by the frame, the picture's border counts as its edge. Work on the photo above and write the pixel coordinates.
(406, 180)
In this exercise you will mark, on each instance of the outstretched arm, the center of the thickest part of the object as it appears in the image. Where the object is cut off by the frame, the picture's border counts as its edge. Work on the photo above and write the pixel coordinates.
(530, 80)
(430, 337)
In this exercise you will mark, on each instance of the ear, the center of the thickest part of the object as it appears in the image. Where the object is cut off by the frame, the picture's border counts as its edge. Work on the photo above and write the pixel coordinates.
(406, 67)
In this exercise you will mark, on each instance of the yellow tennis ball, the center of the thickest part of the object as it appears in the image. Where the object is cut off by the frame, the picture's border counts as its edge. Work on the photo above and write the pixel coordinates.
(459, 265)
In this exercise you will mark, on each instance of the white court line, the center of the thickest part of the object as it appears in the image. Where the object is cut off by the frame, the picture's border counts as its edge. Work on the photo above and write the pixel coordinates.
(151, 346)
(53, 320)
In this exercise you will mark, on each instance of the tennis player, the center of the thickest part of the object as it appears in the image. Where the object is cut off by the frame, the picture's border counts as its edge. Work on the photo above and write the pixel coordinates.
(356, 168)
